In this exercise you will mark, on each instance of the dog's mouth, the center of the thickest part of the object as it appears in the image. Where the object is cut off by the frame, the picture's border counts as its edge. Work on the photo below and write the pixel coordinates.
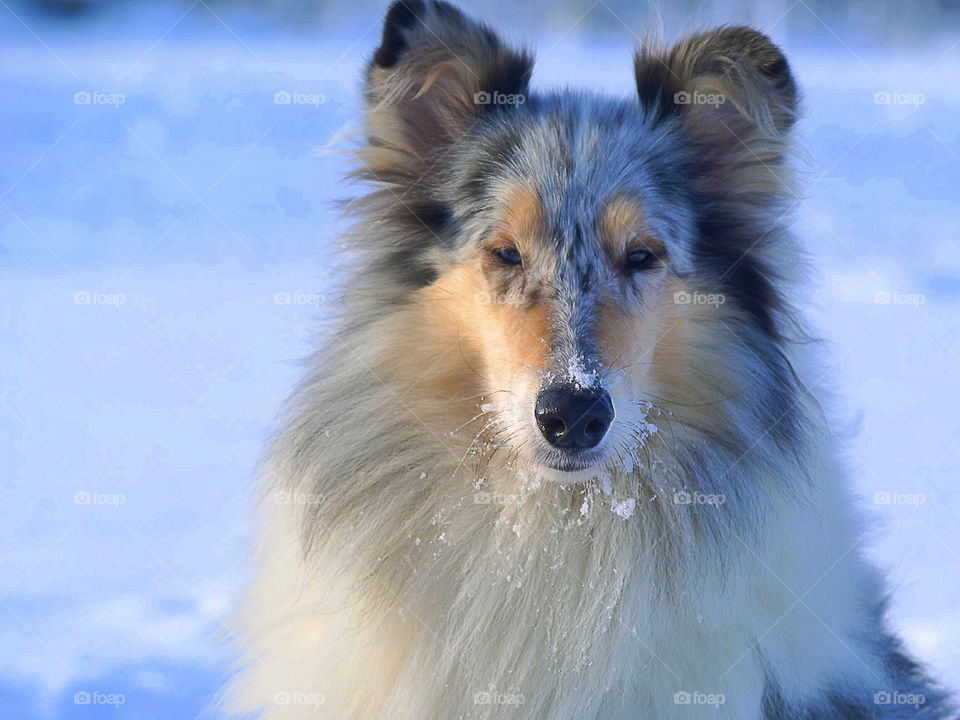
(571, 462)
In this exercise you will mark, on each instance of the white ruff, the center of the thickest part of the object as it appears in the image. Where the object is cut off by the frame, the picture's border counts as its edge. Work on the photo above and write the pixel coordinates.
(425, 598)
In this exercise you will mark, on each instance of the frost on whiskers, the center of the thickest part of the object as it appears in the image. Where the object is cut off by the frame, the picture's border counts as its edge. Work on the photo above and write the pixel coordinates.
(630, 463)
(646, 427)
(616, 486)
(624, 508)
(642, 429)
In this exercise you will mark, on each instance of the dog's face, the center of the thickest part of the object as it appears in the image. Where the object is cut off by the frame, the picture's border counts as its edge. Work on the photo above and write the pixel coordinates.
(575, 281)
(597, 261)
(564, 282)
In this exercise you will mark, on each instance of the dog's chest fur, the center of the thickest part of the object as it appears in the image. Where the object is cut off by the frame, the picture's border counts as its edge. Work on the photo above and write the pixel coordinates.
(548, 604)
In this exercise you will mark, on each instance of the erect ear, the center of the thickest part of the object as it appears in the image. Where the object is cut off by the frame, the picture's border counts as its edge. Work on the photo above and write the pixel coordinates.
(434, 73)
(730, 85)
(731, 92)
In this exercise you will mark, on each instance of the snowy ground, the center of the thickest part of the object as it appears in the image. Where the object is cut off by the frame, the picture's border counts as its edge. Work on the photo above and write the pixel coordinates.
(163, 265)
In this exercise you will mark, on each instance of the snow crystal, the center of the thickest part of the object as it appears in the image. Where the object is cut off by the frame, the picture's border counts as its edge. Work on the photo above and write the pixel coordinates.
(624, 509)
(644, 425)
(580, 375)
(647, 428)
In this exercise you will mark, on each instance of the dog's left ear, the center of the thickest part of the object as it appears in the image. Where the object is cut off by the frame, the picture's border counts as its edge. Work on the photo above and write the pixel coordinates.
(727, 86)
(434, 73)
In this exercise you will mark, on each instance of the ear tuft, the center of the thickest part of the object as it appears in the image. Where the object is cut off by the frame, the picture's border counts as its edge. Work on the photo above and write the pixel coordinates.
(657, 83)
(402, 14)
(736, 63)
(435, 74)
(741, 46)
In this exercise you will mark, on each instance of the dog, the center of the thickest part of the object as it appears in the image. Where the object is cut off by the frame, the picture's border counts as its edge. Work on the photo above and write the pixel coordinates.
(567, 452)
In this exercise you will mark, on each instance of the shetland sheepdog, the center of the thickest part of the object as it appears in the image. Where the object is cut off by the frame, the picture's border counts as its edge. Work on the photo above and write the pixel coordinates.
(566, 452)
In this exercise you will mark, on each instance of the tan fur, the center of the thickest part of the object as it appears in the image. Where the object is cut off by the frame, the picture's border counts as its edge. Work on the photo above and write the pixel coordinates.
(622, 227)
(523, 216)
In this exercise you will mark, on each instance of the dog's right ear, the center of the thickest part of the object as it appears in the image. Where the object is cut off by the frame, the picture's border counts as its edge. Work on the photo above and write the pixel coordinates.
(434, 73)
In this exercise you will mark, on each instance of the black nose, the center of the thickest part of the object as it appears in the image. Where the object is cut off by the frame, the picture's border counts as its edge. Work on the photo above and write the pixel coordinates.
(573, 418)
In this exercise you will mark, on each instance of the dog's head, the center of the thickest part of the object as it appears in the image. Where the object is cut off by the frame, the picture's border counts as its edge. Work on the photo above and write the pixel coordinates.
(602, 267)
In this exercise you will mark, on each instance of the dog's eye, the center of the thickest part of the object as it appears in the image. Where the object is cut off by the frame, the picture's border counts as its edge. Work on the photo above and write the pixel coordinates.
(640, 259)
(508, 255)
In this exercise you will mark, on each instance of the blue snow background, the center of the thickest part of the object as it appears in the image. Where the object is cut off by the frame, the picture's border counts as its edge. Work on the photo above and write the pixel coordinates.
(162, 268)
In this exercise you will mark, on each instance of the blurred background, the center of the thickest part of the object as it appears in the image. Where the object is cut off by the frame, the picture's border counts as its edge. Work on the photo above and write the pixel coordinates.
(167, 184)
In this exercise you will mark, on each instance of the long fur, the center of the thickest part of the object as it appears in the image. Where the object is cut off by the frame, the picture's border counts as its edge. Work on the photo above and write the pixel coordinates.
(415, 562)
